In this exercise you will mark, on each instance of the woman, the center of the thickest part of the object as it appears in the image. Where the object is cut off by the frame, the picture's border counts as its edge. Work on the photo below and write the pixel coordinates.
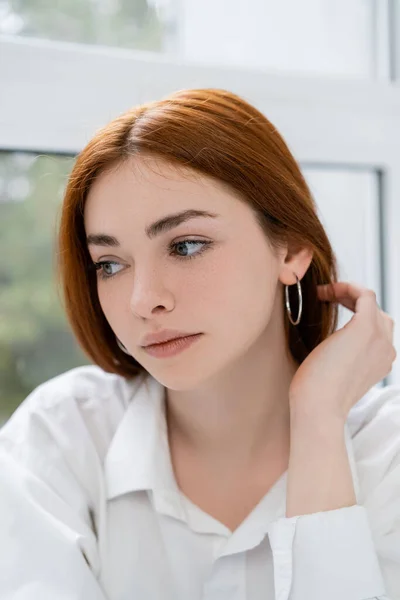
(251, 458)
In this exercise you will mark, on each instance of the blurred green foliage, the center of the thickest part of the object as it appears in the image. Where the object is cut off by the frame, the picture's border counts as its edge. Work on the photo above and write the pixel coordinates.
(35, 339)
(127, 23)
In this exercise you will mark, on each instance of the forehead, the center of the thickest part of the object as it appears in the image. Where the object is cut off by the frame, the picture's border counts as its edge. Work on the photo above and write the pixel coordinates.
(140, 185)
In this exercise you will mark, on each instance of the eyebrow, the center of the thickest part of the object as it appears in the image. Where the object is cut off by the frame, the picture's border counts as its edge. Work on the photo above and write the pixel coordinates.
(157, 228)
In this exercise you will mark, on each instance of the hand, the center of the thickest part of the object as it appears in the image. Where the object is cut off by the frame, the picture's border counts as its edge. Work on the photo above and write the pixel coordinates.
(340, 370)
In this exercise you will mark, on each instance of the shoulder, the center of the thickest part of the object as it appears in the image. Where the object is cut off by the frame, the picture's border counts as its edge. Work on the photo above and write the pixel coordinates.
(80, 385)
(84, 395)
(374, 427)
(67, 423)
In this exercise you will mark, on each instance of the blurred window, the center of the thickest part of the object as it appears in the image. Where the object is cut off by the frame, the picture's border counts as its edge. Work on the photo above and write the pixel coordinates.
(35, 339)
(139, 24)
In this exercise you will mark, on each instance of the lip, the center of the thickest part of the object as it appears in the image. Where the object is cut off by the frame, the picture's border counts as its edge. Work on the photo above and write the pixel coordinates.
(166, 335)
(172, 347)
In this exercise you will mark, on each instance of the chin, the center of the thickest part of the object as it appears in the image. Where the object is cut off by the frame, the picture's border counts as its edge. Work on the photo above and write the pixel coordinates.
(179, 381)
(183, 376)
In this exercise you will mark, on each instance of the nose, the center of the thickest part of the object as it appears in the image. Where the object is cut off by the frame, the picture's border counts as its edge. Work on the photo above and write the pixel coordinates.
(150, 295)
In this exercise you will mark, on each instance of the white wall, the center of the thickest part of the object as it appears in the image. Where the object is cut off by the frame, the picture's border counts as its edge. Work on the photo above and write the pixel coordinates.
(311, 36)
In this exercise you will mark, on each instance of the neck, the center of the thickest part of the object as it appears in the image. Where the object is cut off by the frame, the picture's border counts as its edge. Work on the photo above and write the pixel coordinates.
(241, 416)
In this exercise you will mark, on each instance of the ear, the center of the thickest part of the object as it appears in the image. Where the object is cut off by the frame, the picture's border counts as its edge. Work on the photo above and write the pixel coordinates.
(296, 262)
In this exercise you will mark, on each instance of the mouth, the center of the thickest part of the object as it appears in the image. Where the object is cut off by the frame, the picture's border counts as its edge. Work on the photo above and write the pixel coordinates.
(182, 337)
(172, 347)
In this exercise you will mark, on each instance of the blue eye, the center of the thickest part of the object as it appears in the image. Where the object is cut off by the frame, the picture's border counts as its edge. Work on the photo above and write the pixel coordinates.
(182, 244)
(101, 266)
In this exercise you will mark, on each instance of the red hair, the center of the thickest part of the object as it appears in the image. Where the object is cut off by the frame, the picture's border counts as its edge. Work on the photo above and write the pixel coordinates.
(218, 134)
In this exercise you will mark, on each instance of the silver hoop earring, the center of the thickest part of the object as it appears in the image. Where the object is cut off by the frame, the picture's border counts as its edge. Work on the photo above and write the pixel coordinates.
(122, 347)
(300, 302)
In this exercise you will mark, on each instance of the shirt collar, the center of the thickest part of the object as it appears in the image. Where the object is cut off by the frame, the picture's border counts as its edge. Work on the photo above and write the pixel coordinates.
(138, 457)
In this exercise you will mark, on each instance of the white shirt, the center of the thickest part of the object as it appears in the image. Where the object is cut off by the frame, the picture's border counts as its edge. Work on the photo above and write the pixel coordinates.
(90, 508)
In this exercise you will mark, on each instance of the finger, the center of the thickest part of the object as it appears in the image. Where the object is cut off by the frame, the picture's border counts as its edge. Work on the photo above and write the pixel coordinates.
(366, 304)
(388, 324)
(345, 293)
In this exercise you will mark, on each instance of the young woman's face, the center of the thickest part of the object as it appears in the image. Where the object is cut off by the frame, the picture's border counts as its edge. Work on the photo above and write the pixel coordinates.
(214, 275)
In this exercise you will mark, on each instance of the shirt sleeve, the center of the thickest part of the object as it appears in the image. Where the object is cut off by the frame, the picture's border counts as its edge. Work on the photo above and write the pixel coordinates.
(329, 555)
(48, 547)
(351, 553)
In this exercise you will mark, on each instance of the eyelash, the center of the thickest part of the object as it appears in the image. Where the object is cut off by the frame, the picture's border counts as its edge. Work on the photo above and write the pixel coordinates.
(98, 266)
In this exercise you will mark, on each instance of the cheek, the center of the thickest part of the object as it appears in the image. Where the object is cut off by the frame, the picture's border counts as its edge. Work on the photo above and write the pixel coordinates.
(105, 302)
(218, 289)
(243, 289)
(114, 303)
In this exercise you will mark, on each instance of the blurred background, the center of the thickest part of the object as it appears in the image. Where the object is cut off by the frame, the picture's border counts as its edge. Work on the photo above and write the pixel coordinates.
(325, 72)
